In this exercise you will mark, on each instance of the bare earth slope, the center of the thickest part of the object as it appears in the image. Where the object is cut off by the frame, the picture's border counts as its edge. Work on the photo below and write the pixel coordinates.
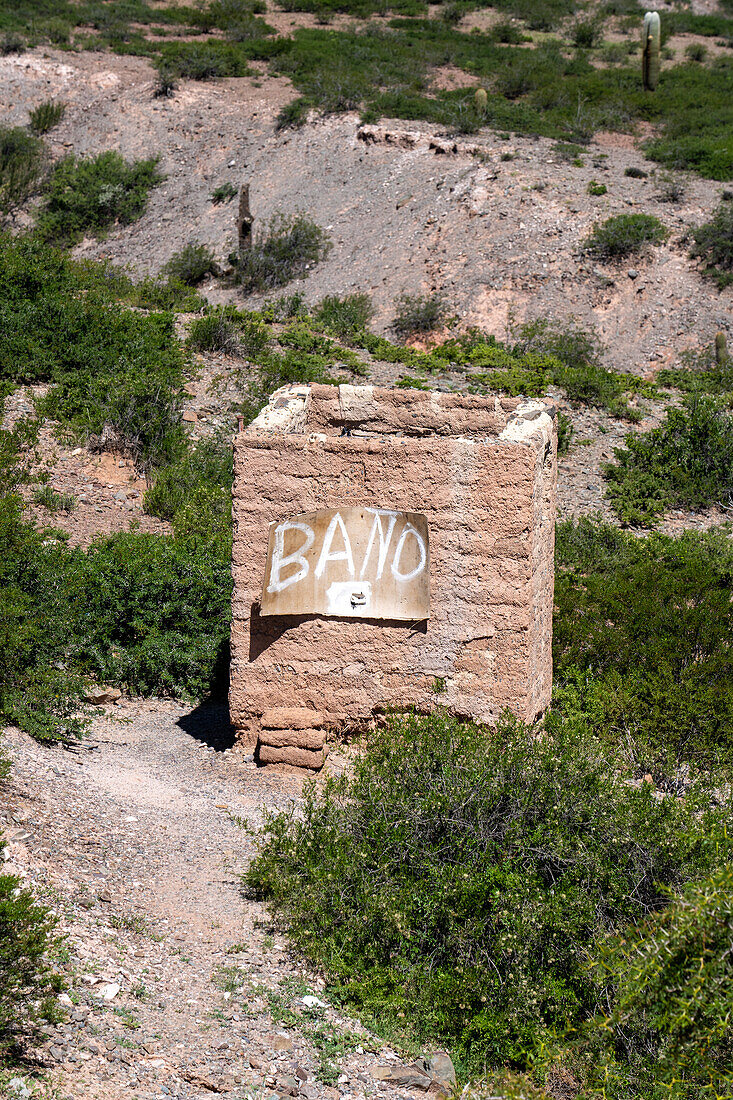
(407, 209)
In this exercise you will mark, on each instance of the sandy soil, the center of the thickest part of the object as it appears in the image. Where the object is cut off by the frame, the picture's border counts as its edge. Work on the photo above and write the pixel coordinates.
(136, 840)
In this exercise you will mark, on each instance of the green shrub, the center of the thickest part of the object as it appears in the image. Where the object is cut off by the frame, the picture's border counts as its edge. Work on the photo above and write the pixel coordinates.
(595, 188)
(687, 462)
(225, 192)
(286, 249)
(714, 246)
(201, 61)
(28, 984)
(148, 612)
(90, 195)
(701, 372)
(287, 307)
(565, 432)
(635, 173)
(507, 32)
(202, 472)
(11, 43)
(166, 294)
(38, 691)
(111, 368)
(215, 331)
(165, 85)
(568, 152)
(344, 315)
(577, 352)
(451, 884)
(696, 52)
(285, 369)
(53, 501)
(672, 188)
(419, 313)
(21, 167)
(191, 265)
(46, 116)
(586, 33)
(643, 643)
(293, 114)
(155, 612)
(668, 1030)
(623, 236)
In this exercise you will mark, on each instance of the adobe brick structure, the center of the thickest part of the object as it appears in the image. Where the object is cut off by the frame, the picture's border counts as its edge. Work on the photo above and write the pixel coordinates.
(483, 472)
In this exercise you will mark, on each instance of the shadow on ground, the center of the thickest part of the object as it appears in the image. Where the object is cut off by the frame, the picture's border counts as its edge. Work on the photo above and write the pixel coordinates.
(210, 724)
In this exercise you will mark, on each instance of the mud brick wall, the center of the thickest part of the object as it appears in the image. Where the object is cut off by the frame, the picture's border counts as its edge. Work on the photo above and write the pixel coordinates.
(483, 471)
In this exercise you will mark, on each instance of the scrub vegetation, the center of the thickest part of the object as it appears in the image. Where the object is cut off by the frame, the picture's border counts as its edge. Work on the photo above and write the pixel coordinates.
(551, 903)
(547, 68)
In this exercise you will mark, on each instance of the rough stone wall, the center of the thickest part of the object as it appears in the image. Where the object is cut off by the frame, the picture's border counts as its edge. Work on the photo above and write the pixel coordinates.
(483, 472)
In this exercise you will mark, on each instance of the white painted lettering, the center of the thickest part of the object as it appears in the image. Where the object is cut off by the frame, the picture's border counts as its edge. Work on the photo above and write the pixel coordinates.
(340, 555)
(280, 561)
(384, 540)
(408, 529)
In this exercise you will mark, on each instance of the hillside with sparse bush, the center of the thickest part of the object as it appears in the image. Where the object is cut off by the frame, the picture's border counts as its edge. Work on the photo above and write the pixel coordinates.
(480, 198)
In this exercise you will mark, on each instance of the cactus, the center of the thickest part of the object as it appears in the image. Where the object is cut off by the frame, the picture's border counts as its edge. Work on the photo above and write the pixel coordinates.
(650, 50)
(481, 100)
(721, 351)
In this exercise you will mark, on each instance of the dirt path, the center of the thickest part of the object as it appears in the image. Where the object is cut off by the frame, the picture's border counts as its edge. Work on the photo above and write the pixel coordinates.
(177, 986)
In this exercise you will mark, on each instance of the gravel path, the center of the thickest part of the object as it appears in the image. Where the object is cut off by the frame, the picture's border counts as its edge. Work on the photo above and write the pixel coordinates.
(177, 984)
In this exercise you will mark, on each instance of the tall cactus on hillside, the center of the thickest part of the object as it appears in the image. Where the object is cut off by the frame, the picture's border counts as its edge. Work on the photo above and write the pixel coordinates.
(481, 100)
(721, 350)
(650, 50)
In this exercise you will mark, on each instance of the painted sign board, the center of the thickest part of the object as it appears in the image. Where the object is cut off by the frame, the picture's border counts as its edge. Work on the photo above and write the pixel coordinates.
(363, 563)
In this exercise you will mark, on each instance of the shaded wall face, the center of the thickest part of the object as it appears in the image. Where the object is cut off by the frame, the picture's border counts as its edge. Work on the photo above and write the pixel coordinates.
(489, 504)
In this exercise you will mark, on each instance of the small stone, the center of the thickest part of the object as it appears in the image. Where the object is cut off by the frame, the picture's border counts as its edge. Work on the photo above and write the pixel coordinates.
(410, 1077)
(17, 1087)
(57, 1053)
(281, 1042)
(103, 695)
(108, 991)
(287, 1086)
(632, 273)
(189, 416)
(442, 1070)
